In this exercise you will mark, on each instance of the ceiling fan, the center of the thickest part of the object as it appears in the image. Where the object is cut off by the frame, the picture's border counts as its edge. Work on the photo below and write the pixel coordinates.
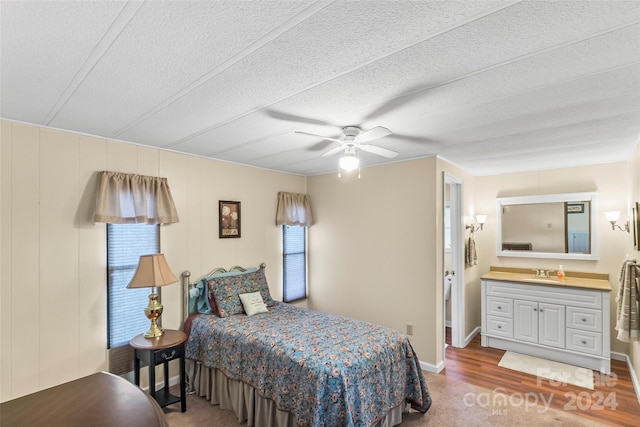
(354, 138)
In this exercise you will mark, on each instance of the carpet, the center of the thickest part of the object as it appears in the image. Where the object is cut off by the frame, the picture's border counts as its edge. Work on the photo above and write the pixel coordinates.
(543, 368)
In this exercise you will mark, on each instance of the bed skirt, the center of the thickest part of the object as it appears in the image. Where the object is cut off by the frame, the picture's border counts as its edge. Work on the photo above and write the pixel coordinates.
(245, 402)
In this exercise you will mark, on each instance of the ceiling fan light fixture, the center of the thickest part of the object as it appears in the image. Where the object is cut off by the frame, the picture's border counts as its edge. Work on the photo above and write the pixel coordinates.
(349, 162)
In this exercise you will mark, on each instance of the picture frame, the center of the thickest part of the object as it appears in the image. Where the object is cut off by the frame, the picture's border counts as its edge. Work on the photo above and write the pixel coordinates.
(575, 208)
(229, 219)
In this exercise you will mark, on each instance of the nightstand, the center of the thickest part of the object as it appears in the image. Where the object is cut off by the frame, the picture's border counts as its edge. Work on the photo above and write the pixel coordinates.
(154, 351)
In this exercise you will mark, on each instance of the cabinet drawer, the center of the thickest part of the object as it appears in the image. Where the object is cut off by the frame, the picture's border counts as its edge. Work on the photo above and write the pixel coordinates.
(584, 341)
(499, 326)
(500, 306)
(584, 319)
(167, 354)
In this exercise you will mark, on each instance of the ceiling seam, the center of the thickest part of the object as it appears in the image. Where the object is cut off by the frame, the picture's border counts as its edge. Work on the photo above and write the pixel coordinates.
(127, 12)
(549, 110)
(545, 86)
(629, 114)
(257, 44)
(427, 37)
(534, 149)
(444, 83)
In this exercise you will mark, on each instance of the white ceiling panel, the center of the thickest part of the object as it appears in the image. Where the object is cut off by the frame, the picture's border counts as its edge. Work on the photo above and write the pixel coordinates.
(492, 86)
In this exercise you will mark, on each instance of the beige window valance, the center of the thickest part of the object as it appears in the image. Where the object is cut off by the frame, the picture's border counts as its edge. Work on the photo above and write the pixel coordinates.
(294, 209)
(126, 198)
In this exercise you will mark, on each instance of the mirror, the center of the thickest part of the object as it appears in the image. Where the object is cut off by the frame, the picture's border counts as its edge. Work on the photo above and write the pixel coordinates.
(548, 226)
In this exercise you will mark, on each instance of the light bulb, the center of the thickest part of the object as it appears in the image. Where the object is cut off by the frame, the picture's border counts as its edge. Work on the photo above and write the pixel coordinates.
(349, 162)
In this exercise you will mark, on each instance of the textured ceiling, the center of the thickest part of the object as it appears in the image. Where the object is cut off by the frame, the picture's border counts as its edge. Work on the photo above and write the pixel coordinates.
(491, 86)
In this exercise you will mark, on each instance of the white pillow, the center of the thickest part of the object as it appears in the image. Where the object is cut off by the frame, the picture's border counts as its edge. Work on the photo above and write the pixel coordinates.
(253, 303)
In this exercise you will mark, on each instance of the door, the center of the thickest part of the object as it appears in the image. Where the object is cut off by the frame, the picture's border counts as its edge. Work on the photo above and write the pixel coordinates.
(551, 324)
(452, 188)
(525, 320)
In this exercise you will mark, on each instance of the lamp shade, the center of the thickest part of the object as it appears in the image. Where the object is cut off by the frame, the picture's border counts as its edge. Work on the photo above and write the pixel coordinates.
(152, 271)
(612, 216)
(481, 219)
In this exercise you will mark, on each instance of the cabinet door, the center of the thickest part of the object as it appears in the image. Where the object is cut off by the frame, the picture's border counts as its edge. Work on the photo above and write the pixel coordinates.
(552, 324)
(525, 317)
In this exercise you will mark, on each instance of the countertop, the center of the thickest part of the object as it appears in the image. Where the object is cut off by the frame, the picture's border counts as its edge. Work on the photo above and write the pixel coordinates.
(572, 280)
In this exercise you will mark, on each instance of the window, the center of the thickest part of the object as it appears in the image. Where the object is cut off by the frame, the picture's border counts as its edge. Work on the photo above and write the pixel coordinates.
(294, 263)
(125, 312)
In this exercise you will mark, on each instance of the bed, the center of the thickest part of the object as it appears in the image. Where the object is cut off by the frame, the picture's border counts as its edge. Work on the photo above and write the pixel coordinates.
(289, 366)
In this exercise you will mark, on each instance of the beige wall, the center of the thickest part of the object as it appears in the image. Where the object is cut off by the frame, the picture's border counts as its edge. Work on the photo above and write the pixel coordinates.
(608, 180)
(634, 197)
(53, 263)
(373, 249)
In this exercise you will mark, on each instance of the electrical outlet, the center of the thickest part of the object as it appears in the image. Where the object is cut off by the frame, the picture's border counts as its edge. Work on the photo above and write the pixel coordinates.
(409, 328)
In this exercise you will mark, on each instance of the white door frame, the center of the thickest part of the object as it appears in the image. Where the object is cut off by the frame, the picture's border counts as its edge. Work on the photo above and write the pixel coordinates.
(457, 262)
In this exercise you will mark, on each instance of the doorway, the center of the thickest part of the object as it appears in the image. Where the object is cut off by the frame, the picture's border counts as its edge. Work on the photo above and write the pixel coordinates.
(452, 266)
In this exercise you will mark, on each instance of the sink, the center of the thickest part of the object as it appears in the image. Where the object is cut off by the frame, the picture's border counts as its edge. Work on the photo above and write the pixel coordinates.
(543, 279)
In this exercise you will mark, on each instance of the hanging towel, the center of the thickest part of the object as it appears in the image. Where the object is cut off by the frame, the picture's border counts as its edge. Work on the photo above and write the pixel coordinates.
(628, 317)
(470, 255)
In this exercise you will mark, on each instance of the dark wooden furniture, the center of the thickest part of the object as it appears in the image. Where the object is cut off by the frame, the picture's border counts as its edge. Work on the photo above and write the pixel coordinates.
(154, 351)
(100, 399)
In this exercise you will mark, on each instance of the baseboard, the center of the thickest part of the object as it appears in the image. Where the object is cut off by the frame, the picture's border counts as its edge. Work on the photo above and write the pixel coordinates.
(632, 372)
(447, 323)
(160, 384)
(472, 335)
(429, 367)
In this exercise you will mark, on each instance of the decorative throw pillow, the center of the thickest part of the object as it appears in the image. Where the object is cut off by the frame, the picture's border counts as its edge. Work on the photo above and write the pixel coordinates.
(211, 302)
(225, 291)
(253, 303)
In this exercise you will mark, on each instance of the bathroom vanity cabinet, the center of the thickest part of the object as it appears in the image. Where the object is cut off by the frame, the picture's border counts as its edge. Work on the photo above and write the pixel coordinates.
(562, 320)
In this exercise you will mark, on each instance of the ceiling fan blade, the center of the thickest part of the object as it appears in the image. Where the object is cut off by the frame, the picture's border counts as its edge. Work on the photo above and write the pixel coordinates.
(405, 97)
(379, 151)
(295, 118)
(319, 136)
(332, 151)
(373, 133)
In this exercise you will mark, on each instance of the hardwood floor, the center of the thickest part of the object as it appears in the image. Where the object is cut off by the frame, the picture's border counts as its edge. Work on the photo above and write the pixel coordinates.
(612, 402)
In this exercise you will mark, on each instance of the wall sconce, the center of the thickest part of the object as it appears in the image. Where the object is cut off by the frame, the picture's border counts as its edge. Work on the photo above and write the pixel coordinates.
(480, 219)
(612, 217)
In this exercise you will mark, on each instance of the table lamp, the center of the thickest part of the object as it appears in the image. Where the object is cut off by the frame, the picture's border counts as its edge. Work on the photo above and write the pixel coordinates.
(153, 271)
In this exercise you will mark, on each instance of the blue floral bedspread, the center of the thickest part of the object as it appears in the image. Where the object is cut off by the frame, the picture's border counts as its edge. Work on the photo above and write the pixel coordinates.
(327, 370)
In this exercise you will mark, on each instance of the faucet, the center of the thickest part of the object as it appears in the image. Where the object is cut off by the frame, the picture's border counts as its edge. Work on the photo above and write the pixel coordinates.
(543, 273)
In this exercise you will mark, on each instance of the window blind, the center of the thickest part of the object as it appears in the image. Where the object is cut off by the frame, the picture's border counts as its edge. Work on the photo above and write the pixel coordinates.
(125, 244)
(294, 263)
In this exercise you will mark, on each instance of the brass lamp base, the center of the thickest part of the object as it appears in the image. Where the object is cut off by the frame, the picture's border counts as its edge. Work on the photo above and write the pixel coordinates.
(153, 311)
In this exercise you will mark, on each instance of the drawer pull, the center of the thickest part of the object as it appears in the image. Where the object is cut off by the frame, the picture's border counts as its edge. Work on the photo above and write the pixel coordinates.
(499, 326)
(541, 310)
(170, 356)
(584, 342)
(499, 307)
(535, 309)
(584, 320)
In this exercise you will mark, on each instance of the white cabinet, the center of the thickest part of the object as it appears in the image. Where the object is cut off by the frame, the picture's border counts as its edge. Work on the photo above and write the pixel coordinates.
(539, 323)
(569, 325)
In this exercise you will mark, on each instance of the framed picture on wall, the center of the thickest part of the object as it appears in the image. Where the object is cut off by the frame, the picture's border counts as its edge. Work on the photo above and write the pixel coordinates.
(575, 208)
(228, 219)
